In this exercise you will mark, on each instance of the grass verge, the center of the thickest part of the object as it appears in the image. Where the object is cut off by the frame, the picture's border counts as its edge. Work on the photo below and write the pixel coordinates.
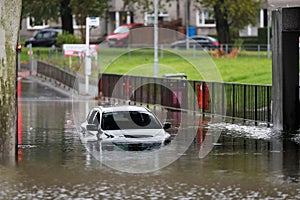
(248, 67)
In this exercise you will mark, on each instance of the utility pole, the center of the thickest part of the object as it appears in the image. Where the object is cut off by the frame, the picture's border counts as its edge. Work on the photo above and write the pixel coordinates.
(187, 22)
(156, 38)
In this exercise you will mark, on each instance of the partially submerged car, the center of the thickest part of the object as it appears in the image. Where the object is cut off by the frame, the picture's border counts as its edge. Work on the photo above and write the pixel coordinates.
(126, 127)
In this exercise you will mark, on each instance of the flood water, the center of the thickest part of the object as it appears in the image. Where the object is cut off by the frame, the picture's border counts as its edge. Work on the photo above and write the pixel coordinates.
(245, 162)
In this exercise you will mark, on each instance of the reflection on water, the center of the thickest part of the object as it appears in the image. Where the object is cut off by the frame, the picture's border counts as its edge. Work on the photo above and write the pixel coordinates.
(54, 164)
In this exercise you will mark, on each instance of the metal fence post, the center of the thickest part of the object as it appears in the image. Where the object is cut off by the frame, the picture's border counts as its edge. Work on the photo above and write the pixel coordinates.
(30, 59)
(161, 51)
(269, 108)
(255, 115)
(233, 102)
(49, 54)
(226, 48)
(245, 102)
(194, 50)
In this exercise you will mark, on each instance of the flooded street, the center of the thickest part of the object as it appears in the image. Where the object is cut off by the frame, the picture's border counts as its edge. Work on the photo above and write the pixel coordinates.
(53, 163)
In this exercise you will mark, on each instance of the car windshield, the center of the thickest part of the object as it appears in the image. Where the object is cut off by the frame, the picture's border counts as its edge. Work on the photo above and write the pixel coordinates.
(129, 120)
(122, 29)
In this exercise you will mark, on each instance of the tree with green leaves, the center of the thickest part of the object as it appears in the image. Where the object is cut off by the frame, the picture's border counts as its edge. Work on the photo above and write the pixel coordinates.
(146, 5)
(49, 10)
(232, 16)
(92, 8)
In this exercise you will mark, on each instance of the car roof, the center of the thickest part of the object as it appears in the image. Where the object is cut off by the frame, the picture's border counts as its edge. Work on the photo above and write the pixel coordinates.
(119, 108)
(203, 36)
(51, 29)
(133, 25)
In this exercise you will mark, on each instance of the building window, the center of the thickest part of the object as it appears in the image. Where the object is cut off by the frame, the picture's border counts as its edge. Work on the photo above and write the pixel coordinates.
(33, 24)
(162, 17)
(205, 18)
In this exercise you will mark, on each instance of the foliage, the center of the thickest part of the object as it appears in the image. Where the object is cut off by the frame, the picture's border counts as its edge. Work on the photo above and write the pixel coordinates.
(235, 14)
(55, 9)
(41, 9)
(67, 38)
(145, 5)
(83, 9)
(238, 43)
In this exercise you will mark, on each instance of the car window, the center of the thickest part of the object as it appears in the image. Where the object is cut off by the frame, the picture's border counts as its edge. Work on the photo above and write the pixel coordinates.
(47, 35)
(91, 117)
(129, 120)
(122, 29)
(201, 40)
(39, 35)
(197, 38)
(53, 34)
(96, 118)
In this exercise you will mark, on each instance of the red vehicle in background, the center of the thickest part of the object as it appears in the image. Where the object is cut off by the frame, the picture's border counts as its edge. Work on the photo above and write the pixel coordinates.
(120, 36)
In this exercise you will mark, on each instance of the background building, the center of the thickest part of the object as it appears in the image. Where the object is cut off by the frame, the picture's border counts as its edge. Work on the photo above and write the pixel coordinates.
(200, 19)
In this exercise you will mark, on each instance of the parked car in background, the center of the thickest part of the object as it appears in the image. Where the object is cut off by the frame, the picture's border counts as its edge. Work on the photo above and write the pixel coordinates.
(199, 41)
(125, 127)
(44, 38)
(120, 36)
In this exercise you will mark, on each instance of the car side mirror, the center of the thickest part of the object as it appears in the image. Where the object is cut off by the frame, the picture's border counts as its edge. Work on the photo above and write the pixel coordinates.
(167, 125)
(92, 127)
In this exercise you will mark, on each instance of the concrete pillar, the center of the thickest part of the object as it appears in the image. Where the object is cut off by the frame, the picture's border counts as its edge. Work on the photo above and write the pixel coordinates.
(285, 68)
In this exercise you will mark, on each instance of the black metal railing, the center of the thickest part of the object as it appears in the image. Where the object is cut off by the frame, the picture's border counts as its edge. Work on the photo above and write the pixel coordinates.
(234, 101)
(58, 74)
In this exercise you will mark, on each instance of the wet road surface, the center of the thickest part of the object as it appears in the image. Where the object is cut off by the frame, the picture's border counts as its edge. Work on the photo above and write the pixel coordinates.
(245, 162)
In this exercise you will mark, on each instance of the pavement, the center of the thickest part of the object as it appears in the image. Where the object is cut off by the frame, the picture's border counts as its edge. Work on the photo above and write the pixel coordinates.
(51, 83)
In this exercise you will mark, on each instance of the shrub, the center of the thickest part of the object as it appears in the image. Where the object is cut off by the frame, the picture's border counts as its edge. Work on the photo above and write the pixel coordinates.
(67, 38)
(238, 43)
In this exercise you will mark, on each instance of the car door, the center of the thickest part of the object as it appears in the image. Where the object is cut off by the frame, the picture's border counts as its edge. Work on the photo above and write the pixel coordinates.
(48, 39)
(37, 39)
(204, 42)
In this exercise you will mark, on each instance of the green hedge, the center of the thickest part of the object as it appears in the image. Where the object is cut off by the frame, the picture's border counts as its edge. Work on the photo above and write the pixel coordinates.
(67, 38)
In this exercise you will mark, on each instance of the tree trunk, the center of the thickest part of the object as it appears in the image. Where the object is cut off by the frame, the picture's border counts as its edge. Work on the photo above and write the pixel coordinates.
(10, 13)
(222, 25)
(66, 16)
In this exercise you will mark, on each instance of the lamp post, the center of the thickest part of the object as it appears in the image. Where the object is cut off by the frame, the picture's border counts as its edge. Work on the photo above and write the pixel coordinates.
(187, 22)
(155, 38)
(268, 33)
